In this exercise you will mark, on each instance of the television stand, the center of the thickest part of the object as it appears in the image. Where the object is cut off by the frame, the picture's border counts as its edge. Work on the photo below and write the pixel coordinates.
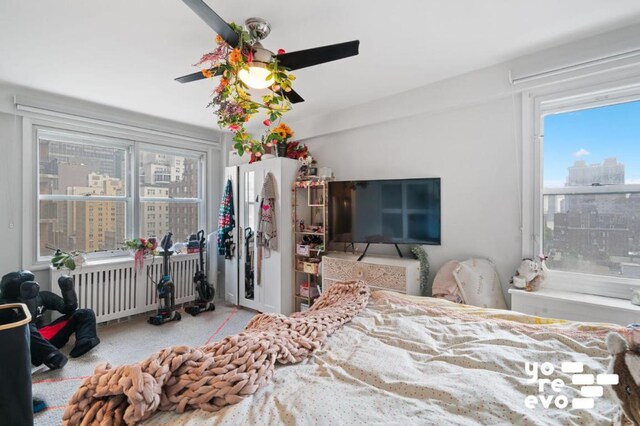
(379, 272)
(367, 248)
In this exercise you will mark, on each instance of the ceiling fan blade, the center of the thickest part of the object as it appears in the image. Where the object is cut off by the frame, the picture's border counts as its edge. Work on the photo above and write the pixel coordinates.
(318, 55)
(195, 76)
(212, 19)
(293, 96)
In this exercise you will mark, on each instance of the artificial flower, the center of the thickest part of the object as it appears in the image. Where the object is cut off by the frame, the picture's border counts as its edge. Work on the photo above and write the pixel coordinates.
(283, 131)
(213, 58)
(221, 86)
(307, 160)
(234, 105)
(296, 150)
(235, 56)
(141, 247)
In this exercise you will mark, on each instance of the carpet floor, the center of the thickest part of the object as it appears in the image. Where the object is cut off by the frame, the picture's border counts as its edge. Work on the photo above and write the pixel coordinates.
(129, 342)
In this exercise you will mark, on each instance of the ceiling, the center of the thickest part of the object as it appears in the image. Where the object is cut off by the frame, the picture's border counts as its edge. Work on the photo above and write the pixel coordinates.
(126, 53)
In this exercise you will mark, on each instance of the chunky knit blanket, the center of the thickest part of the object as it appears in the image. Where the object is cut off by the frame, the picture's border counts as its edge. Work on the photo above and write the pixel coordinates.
(215, 375)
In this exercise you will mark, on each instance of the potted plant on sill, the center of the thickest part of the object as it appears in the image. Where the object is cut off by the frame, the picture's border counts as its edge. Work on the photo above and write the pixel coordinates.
(68, 260)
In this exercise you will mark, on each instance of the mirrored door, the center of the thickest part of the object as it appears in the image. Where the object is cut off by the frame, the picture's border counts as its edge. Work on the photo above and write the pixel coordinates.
(249, 224)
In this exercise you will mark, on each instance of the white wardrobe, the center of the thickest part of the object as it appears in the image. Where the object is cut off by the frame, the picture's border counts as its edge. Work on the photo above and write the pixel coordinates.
(261, 281)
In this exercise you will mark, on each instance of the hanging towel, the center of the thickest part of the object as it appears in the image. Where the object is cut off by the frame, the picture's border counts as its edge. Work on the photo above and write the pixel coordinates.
(226, 221)
(267, 229)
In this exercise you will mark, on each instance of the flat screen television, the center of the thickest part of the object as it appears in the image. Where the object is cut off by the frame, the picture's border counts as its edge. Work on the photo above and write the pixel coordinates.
(400, 211)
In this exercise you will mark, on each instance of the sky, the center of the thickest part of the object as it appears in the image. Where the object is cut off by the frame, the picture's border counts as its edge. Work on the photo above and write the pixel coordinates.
(592, 135)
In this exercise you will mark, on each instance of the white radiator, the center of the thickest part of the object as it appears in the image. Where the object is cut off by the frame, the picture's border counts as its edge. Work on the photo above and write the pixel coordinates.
(114, 289)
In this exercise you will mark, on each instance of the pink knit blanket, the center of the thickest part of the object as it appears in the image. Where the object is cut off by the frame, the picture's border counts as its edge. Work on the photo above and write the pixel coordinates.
(215, 375)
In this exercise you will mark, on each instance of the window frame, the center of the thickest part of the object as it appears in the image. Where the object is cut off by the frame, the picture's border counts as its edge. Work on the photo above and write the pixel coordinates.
(132, 199)
(200, 200)
(534, 109)
(78, 138)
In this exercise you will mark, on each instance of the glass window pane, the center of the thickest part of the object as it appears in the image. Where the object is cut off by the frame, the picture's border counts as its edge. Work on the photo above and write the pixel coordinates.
(156, 219)
(594, 234)
(80, 169)
(86, 226)
(593, 149)
(164, 175)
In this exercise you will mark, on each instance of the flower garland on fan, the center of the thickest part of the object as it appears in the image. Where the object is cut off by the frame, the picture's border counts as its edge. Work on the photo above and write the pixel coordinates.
(140, 248)
(234, 106)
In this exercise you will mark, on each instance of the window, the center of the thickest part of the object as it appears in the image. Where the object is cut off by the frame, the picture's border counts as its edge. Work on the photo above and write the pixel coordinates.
(78, 178)
(170, 182)
(590, 195)
(86, 200)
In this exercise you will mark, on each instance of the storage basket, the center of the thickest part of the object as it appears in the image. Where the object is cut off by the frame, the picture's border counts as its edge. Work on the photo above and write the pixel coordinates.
(16, 405)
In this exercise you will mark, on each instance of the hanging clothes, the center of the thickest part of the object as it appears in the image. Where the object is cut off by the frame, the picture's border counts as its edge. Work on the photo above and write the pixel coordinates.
(267, 235)
(267, 229)
(226, 222)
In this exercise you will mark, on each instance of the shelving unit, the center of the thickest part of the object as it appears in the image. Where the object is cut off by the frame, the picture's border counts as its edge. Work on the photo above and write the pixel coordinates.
(309, 220)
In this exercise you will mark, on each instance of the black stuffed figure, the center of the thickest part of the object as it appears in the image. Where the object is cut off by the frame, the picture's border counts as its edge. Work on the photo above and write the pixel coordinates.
(47, 339)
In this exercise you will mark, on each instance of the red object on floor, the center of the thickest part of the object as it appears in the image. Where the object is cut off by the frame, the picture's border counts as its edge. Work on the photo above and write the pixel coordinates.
(48, 331)
(233, 312)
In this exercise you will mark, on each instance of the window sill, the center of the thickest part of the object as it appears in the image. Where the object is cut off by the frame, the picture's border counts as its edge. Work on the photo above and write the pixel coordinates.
(587, 300)
(105, 261)
(589, 284)
(572, 306)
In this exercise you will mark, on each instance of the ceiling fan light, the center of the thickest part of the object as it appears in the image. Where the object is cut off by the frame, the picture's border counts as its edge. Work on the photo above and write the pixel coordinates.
(256, 76)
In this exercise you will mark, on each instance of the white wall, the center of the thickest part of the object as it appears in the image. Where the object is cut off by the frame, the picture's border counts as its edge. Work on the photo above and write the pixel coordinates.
(10, 193)
(468, 130)
(11, 167)
(475, 150)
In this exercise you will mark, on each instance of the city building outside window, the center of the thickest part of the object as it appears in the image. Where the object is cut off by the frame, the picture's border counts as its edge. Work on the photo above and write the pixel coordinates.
(86, 197)
(590, 166)
(170, 182)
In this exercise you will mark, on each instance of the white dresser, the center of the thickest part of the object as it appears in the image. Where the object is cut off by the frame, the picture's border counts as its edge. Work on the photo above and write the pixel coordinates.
(386, 273)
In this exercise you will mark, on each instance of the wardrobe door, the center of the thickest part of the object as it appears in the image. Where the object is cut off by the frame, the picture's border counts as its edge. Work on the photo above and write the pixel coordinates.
(248, 291)
(270, 268)
(231, 265)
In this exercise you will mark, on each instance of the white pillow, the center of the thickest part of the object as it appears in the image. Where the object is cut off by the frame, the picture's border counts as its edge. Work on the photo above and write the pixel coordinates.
(479, 284)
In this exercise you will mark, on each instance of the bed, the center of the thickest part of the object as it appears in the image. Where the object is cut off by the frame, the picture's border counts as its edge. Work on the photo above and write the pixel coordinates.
(414, 360)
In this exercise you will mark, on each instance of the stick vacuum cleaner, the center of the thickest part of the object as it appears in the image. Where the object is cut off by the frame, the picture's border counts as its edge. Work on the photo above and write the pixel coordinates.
(204, 291)
(165, 289)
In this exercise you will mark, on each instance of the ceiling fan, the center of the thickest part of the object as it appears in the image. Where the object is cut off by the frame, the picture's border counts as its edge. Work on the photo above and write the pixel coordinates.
(258, 29)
